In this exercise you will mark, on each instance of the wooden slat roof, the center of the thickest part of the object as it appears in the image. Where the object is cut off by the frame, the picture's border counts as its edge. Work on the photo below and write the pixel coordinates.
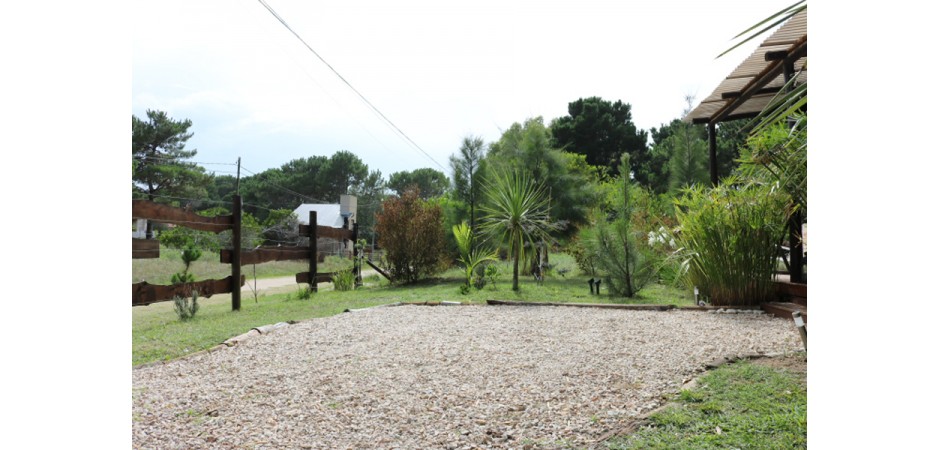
(748, 89)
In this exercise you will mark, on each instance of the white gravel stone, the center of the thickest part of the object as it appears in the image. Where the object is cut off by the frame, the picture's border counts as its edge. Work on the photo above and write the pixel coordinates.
(416, 377)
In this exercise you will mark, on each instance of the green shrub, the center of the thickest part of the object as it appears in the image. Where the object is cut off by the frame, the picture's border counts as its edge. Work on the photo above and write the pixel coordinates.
(728, 241)
(186, 308)
(614, 245)
(344, 280)
(471, 257)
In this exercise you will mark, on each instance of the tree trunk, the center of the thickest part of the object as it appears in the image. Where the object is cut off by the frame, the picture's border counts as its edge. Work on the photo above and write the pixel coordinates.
(515, 269)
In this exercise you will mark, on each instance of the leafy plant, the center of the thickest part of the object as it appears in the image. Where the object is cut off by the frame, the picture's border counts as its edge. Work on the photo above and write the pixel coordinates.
(517, 213)
(493, 274)
(189, 255)
(186, 308)
(471, 257)
(411, 233)
(614, 245)
(344, 280)
(728, 240)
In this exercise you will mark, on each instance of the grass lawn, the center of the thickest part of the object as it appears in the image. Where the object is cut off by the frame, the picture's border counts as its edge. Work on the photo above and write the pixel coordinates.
(159, 335)
(748, 404)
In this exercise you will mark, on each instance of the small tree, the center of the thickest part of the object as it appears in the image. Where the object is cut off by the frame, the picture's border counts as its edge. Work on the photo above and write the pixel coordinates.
(629, 266)
(517, 212)
(411, 232)
(185, 309)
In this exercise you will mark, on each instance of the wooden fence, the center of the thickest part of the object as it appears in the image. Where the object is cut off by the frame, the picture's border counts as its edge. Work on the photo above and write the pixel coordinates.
(144, 293)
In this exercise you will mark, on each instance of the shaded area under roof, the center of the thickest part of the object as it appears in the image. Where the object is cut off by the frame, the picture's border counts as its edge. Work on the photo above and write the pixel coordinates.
(752, 85)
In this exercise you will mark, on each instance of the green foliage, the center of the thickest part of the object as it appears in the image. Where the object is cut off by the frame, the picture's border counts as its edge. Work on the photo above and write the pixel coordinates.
(583, 256)
(430, 183)
(189, 255)
(516, 213)
(158, 146)
(300, 180)
(493, 274)
(186, 308)
(778, 154)
(614, 247)
(471, 256)
(411, 232)
(601, 130)
(568, 178)
(468, 169)
(302, 293)
(344, 280)
(728, 241)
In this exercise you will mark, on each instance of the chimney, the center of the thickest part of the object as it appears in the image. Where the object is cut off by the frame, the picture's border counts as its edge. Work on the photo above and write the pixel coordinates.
(347, 207)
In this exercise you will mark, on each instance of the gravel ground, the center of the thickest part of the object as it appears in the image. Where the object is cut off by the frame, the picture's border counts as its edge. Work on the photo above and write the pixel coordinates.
(418, 377)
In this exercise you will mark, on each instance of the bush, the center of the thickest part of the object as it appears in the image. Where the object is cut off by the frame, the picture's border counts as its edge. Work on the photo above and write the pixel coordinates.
(344, 280)
(728, 239)
(410, 230)
(613, 246)
(185, 308)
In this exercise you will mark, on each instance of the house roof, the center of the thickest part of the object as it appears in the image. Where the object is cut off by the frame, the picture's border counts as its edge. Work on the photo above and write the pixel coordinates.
(328, 215)
(750, 87)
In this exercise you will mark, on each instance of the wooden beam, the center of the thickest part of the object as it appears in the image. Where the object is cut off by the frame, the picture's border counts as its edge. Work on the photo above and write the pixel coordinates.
(236, 250)
(265, 254)
(144, 293)
(145, 209)
(772, 71)
(328, 232)
(313, 235)
(736, 94)
(145, 248)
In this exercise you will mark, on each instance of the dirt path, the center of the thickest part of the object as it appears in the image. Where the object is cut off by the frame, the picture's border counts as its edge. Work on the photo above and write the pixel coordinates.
(266, 284)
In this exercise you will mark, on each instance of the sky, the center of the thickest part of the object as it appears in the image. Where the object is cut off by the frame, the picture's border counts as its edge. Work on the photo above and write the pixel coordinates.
(439, 71)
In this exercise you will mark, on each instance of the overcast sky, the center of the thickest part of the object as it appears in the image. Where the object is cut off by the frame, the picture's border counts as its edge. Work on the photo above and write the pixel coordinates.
(438, 70)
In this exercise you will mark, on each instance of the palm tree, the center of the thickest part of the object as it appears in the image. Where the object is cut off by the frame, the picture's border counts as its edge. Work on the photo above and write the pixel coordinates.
(516, 213)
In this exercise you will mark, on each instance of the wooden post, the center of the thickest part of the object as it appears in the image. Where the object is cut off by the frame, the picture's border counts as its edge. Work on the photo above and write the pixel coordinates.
(236, 253)
(356, 255)
(713, 153)
(313, 250)
(800, 325)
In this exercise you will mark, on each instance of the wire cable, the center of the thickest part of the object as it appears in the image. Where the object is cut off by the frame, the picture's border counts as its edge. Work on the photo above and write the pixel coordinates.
(362, 97)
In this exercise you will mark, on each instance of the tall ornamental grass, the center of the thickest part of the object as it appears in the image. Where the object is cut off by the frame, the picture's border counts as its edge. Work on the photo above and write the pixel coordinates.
(729, 239)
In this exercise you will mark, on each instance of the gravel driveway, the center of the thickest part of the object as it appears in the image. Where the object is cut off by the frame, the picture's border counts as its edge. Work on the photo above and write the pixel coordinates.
(418, 377)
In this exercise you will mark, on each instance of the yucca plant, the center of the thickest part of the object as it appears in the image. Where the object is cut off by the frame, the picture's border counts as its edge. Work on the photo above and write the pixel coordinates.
(728, 240)
(516, 212)
(470, 257)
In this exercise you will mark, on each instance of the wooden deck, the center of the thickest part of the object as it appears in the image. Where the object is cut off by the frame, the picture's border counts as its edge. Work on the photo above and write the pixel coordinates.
(790, 297)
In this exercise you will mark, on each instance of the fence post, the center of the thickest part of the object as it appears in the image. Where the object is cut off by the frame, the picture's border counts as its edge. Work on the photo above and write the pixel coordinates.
(357, 263)
(236, 253)
(313, 251)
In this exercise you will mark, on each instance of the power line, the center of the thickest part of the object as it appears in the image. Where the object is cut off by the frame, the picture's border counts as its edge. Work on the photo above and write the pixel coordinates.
(160, 158)
(362, 97)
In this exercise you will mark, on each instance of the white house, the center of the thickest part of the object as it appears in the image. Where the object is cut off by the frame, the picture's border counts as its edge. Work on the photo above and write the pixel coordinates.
(341, 215)
(330, 215)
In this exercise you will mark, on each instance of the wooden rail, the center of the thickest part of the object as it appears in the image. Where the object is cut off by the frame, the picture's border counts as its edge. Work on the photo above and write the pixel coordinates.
(145, 248)
(265, 254)
(144, 293)
(145, 209)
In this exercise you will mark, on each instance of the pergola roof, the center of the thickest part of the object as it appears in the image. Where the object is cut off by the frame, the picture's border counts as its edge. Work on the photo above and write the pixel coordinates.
(750, 87)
